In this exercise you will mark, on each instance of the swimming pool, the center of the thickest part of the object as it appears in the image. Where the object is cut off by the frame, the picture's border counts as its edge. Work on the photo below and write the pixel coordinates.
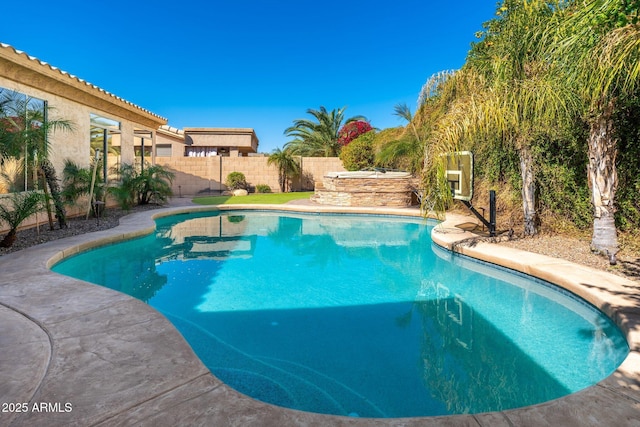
(357, 315)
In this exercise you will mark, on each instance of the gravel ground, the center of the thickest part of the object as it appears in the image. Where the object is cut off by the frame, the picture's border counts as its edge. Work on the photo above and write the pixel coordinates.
(79, 225)
(569, 248)
(578, 251)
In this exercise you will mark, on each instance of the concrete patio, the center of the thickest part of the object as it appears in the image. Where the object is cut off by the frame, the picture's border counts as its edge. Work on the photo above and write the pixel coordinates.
(78, 354)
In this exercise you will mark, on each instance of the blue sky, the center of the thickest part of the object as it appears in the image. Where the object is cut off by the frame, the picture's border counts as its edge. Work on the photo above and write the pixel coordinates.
(251, 63)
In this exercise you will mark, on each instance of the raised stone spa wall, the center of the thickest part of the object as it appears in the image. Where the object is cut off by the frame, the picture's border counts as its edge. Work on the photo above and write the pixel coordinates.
(372, 191)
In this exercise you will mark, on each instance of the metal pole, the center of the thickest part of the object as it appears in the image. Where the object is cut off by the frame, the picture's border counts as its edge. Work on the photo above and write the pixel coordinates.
(492, 213)
(93, 181)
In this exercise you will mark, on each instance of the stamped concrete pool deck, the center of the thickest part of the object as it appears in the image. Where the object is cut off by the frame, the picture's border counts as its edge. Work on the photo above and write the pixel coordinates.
(77, 354)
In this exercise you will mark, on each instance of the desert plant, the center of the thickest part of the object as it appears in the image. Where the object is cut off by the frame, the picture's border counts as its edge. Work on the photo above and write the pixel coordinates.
(236, 181)
(11, 170)
(154, 184)
(21, 207)
(263, 188)
(76, 182)
(125, 192)
(141, 187)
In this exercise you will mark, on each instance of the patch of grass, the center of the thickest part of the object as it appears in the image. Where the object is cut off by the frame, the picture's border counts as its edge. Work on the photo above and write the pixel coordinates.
(271, 198)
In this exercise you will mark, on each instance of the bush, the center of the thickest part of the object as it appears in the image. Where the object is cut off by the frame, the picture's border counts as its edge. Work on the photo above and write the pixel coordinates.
(359, 153)
(21, 207)
(142, 186)
(236, 181)
(263, 188)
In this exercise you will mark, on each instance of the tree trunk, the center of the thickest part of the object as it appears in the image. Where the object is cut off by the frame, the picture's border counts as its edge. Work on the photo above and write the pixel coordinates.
(9, 239)
(52, 181)
(282, 180)
(603, 182)
(528, 191)
(47, 205)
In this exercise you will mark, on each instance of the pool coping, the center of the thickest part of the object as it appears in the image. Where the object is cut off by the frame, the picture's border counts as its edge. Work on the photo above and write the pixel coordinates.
(74, 353)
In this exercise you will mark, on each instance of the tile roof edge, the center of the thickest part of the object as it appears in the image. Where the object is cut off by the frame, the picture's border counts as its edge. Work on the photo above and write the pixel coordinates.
(78, 79)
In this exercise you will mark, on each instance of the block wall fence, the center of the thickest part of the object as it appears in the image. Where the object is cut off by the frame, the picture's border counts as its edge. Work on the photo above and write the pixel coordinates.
(206, 175)
(200, 176)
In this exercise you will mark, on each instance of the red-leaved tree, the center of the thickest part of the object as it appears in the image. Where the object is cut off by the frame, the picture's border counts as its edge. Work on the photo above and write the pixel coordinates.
(352, 130)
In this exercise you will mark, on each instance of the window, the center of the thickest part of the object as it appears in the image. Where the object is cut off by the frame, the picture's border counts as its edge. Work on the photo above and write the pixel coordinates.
(23, 140)
(163, 150)
(106, 137)
(200, 151)
(142, 143)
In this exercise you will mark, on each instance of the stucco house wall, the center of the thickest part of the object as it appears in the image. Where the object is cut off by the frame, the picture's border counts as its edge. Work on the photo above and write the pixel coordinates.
(72, 99)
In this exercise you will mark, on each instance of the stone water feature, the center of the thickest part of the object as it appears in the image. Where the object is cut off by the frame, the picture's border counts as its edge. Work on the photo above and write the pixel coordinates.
(366, 188)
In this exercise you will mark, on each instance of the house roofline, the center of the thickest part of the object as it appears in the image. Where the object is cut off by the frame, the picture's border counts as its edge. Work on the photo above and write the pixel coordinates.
(28, 70)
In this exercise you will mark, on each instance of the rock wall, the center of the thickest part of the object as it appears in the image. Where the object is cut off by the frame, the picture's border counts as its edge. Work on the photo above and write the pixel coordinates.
(392, 192)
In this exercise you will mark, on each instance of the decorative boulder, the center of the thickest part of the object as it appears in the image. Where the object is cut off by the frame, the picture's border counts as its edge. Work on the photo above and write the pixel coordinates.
(240, 192)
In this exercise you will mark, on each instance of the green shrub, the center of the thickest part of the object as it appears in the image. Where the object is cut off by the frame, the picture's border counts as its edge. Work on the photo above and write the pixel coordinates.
(263, 188)
(236, 181)
(142, 186)
(21, 207)
(235, 219)
(359, 154)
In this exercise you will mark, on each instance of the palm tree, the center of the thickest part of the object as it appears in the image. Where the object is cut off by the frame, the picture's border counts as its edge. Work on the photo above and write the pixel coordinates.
(25, 127)
(601, 52)
(142, 186)
(517, 96)
(11, 171)
(288, 166)
(408, 149)
(76, 181)
(154, 184)
(23, 205)
(406, 153)
(317, 138)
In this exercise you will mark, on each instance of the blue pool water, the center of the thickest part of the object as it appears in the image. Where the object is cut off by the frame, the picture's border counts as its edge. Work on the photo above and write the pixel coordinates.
(357, 315)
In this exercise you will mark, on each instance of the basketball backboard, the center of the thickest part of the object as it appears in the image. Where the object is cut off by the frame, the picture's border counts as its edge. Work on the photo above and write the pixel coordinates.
(459, 173)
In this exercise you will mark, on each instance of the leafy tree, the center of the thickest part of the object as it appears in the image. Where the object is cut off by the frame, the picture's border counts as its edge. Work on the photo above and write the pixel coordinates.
(288, 167)
(22, 206)
(317, 138)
